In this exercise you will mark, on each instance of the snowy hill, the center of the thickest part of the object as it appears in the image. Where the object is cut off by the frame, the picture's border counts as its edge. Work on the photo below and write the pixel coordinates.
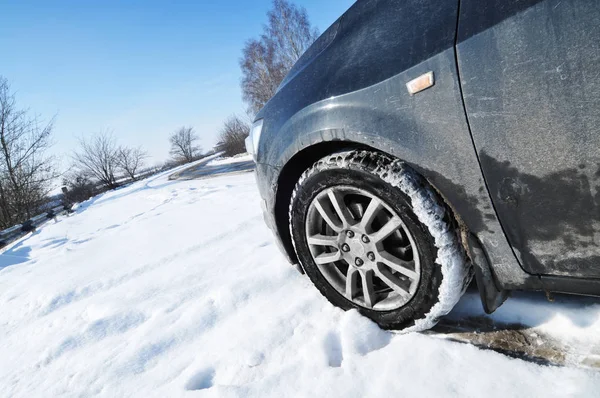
(176, 288)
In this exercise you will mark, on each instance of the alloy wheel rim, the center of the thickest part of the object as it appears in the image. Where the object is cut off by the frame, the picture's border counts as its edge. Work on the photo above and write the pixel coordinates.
(363, 248)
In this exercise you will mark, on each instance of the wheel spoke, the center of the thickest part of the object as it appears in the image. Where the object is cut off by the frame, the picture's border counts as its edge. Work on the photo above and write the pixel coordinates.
(323, 240)
(362, 247)
(351, 279)
(368, 288)
(370, 213)
(337, 200)
(393, 282)
(328, 216)
(392, 225)
(326, 258)
(398, 265)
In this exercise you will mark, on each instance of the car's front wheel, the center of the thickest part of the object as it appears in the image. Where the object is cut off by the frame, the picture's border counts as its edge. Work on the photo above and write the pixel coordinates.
(372, 235)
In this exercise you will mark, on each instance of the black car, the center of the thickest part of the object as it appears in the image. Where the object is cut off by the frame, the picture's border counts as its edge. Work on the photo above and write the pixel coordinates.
(418, 143)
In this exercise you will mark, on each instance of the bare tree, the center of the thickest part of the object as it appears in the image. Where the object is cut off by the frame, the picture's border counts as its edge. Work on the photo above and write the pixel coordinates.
(130, 160)
(25, 170)
(98, 157)
(232, 136)
(266, 61)
(289, 32)
(261, 74)
(183, 144)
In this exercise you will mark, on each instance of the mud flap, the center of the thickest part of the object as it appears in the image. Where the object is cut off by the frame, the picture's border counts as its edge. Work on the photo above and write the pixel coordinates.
(491, 296)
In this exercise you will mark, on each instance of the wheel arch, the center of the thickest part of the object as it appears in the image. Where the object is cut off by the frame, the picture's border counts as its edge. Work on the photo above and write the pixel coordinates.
(492, 296)
(305, 158)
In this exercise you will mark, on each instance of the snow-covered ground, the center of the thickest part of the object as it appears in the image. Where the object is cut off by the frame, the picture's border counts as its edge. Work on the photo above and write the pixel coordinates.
(242, 157)
(176, 288)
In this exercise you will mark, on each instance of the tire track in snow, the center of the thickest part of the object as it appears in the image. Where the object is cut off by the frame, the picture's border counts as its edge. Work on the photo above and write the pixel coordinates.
(71, 296)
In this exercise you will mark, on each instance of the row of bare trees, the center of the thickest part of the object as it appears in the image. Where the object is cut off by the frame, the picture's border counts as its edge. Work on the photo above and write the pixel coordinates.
(100, 158)
(232, 136)
(28, 173)
(100, 163)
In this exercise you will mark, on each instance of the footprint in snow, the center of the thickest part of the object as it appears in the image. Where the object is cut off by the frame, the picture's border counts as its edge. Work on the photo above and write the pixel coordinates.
(332, 348)
(360, 335)
(201, 380)
(254, 359)
(357, 336)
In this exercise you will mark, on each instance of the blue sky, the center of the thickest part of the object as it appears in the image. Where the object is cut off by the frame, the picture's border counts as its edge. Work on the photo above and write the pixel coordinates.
(139, 68)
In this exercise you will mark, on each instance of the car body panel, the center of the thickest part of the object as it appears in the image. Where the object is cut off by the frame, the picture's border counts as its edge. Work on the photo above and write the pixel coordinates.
(531, 86)
(428, 130)
(350, 91)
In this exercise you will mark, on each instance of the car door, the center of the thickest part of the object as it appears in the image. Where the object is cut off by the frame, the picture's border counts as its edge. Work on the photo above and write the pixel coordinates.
(530, 77)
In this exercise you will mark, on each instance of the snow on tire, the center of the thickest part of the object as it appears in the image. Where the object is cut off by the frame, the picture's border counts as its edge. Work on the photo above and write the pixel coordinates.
(341, 187)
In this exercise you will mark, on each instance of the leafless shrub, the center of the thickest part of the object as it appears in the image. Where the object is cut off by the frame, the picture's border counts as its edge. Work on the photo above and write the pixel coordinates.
(183, 145)
(169, 164)
(233, 135)
(25, 169)
(131, 160)
(98, 157)
(80, 186)
(266, 61)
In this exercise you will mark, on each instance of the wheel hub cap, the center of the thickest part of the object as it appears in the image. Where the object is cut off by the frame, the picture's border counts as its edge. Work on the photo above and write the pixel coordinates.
(357, 248)
(363, 248)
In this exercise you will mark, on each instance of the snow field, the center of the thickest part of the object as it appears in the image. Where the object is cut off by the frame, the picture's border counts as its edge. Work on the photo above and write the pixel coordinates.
(176, 288)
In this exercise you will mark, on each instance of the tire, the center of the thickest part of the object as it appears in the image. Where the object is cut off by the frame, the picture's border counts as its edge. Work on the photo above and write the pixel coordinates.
(409, 290)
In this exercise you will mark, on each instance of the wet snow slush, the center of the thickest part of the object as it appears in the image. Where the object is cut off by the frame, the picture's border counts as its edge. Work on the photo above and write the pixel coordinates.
(176, 288)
